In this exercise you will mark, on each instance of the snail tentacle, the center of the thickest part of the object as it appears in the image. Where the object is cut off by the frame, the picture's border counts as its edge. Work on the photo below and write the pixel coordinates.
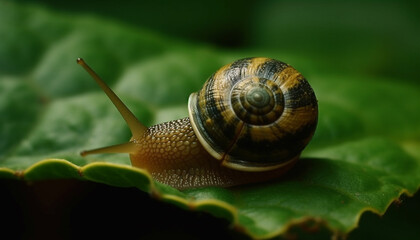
(136, 127)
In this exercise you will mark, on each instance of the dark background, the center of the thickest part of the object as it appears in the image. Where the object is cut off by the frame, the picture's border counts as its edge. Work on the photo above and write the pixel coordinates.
(71, 209)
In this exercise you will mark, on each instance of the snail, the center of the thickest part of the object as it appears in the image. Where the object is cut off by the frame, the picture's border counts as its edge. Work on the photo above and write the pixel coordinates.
(249, 123)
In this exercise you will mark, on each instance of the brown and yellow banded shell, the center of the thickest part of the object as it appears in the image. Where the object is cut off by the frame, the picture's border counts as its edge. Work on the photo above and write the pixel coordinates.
(255, 114)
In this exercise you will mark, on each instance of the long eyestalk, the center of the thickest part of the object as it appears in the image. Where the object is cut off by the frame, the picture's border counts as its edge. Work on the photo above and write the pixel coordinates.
(136, 127)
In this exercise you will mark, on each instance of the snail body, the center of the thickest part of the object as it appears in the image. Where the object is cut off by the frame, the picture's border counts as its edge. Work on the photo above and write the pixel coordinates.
(249, 123)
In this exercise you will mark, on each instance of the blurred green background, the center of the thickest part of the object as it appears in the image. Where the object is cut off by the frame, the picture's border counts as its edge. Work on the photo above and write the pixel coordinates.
(373, 38)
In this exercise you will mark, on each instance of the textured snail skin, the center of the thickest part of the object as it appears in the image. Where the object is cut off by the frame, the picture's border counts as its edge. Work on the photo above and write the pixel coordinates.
(173, 155)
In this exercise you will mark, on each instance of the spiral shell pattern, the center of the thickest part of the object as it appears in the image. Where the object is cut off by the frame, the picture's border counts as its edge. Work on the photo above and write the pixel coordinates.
(255, 114)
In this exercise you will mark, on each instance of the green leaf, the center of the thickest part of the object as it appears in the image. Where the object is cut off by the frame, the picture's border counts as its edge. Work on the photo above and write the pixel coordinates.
(364, 154)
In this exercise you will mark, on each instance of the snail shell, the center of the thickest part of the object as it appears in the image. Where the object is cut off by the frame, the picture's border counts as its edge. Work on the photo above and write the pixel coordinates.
(256, 114)
(249, 123)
